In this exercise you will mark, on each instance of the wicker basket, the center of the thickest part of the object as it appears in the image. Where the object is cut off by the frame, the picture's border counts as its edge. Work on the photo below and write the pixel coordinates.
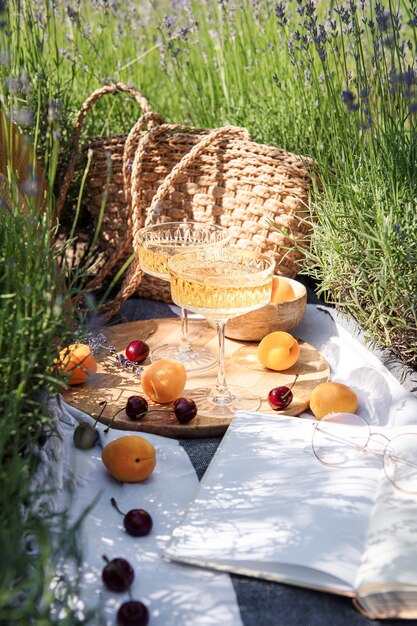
(163, 172)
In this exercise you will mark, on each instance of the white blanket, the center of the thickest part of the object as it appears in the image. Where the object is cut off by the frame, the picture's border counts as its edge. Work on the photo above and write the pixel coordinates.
(178, 594)
(174, 594)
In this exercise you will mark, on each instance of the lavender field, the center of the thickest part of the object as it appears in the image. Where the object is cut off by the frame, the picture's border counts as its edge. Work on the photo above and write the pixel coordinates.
(336, 84)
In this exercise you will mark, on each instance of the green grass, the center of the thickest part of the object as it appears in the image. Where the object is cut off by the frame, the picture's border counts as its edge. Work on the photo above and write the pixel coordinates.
(33, 323)
(37, 317)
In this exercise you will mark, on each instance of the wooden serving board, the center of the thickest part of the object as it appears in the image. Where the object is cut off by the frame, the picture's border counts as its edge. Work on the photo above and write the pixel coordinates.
(115, 384)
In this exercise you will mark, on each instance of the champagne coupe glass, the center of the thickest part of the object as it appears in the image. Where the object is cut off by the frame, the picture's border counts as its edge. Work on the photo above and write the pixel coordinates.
(220, 284)
(156, 245)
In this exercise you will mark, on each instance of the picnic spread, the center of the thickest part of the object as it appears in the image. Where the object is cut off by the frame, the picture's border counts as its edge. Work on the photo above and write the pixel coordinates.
(175, 592)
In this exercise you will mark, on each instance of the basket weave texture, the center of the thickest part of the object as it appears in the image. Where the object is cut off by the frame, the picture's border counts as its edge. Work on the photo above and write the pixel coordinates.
(163, 173)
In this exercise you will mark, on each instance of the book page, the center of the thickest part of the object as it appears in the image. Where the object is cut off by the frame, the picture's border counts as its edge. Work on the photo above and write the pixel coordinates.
(390, 558)
(267, 507)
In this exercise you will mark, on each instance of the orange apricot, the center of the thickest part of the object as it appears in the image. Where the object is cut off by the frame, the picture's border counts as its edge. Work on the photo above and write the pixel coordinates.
(164, 380)
(332, 397)
(281, 290)
(78, 362)
(129, 459)
(278, 351)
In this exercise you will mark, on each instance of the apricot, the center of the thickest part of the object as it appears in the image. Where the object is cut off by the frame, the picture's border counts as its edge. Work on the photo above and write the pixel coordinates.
(164, 380)
(281, 290)
(332, 397)
(129, 459)
(78, 361)
(278, 351)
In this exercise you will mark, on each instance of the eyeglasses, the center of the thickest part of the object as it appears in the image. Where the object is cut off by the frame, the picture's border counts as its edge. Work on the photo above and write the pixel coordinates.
(341, 437)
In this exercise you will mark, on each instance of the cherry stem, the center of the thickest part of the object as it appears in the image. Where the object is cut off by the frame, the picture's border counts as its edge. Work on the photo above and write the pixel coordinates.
(104, 404)
(114, 505)
(140, 415)
(156, 411)
(105, 558)
(106, 430)
(287, 392)
(295, 380)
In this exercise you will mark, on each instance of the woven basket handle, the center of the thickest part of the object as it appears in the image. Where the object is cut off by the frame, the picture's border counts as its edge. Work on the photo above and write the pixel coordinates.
(88, 104)
(134, 273)
(147, 119)
(186, 160)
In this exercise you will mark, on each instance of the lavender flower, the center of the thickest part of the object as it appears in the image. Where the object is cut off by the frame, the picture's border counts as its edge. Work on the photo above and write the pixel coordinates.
(348, 98)
(409, 77)
(124, 362)
(54, 110)
(30, 186)
(383, 18)
(96, 342)
(23, 116)
(310, 8)
(72, 15)
(280, 13)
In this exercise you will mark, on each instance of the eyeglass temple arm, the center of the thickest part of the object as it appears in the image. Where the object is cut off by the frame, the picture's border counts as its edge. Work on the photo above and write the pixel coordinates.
(369, 450)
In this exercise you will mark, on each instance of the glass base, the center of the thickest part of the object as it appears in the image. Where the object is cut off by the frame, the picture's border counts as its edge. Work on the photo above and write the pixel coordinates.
(194, 359)
(242, 399)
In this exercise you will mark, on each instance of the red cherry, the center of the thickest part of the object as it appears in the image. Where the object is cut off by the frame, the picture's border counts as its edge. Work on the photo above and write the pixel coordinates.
(117, 574)
(279, 398)
(137, 351)
(136, 407)
(137, 522)
(185, 410)
(132, 613)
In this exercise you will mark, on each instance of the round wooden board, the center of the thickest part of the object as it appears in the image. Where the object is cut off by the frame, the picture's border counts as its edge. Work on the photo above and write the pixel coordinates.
(115, 384)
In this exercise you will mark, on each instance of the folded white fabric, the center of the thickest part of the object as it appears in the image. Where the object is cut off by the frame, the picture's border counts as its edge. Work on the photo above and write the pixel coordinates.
(382, 399)
(174, 594)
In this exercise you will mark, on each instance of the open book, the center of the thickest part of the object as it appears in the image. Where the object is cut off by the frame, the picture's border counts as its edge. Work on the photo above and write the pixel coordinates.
(268, 508)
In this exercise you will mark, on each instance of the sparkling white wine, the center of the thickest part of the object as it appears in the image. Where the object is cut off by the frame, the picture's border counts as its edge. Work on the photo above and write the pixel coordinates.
(158, 243)
(153, 261)
(153, 256)
(220, 289)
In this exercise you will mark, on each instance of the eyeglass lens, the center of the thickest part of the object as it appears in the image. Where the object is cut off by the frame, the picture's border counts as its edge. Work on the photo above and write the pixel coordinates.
(400, 462)
(335, 444)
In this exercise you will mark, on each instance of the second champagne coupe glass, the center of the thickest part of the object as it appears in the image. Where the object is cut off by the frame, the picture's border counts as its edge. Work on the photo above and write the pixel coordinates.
(220, 284)
(157, 244)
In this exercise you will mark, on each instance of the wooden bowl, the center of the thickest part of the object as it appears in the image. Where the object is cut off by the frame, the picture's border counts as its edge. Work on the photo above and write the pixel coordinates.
(274, 316)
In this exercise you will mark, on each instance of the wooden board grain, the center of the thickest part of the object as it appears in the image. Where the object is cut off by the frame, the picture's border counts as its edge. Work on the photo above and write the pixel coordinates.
(115, 384)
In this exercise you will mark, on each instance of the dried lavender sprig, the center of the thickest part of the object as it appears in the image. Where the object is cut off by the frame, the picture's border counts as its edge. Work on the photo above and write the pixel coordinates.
(124, 362)
(96, 342)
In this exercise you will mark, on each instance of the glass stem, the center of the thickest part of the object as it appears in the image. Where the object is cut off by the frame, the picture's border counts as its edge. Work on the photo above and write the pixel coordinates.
(221, 393)
(184, 343)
